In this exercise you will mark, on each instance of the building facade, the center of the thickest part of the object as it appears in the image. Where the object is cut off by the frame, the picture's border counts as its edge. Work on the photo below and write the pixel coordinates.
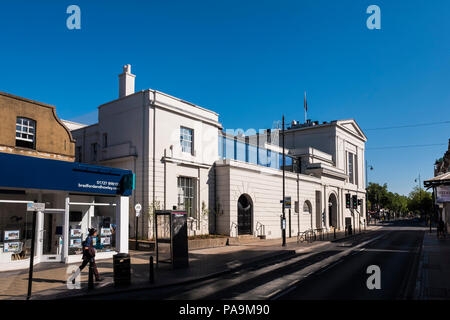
(228, 183)
(32, 128)
(440, 184)
(141, 131)
(37, 165)
(323, 164)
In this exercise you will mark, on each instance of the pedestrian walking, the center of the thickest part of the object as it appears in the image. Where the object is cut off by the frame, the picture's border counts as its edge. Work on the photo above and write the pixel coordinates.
(88, 255)
(441, 229)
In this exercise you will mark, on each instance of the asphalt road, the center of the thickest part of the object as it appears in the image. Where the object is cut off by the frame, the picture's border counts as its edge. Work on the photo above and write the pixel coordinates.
(396, 253)
(395, 248)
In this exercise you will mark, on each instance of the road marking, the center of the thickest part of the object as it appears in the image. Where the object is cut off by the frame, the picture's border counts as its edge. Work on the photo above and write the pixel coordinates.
(289, 280)
(386, 250)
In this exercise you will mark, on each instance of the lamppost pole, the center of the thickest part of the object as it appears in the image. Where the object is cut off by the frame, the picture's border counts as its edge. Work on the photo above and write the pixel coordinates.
(367, 191)
(283, 230)
(367, 197)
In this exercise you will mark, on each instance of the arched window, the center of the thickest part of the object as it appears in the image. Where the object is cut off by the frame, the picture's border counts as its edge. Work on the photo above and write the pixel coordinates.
(307, 208)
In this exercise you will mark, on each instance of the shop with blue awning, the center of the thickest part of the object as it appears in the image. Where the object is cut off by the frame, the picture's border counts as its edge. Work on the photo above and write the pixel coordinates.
(76, 197)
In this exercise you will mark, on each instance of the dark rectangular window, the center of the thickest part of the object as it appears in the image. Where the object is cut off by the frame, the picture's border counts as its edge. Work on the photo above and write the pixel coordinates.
(350, 167)
(78, 155)
(93, 152)
(105, 140)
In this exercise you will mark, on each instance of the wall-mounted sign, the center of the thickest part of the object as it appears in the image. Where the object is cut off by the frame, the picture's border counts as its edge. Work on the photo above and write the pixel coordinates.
(19, 171)
(287, 202)
(40, 207)
(12, 235)
(443, 194)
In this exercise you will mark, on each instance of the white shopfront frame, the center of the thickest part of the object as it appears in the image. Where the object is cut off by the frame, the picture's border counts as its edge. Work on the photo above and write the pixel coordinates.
(121, 204)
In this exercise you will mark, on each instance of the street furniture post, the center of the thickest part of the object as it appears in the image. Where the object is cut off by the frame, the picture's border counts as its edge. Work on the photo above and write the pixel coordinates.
(151, 274)
(33, 242)
(91, 276)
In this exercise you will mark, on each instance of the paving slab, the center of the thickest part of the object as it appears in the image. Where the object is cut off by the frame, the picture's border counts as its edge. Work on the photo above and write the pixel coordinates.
(433, 281)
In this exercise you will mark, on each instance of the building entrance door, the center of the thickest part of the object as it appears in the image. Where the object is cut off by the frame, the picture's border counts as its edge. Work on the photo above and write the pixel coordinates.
(245, 212)
(52, 236)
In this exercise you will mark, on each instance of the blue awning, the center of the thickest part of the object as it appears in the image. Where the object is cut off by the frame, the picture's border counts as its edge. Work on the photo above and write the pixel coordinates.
(23, 172)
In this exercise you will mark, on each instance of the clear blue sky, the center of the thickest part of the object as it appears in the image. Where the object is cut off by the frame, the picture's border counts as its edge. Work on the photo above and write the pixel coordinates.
(250, 61)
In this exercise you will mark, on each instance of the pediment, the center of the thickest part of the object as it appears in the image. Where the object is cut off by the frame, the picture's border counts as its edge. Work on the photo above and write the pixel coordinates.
(352, 126)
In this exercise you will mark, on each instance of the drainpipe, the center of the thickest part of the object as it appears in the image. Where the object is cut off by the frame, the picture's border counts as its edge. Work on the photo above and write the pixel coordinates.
(298, 201)
(215, 198)
(144, 134)
(154, 150)
(165, 184)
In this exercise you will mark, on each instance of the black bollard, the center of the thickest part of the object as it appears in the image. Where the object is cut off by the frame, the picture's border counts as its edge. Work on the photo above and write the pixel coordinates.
(91, 276)
(151, 276)
(334, 231)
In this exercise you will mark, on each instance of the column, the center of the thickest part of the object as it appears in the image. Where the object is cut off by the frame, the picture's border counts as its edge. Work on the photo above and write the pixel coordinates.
(39, 234)
(122, 218)
(65, 253)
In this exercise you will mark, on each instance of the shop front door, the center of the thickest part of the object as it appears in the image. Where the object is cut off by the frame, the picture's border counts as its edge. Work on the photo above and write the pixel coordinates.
(52, 235)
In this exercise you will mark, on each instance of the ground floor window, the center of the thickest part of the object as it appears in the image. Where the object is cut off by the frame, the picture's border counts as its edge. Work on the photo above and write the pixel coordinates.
(186, 195)
(15, 232)
(83, 218)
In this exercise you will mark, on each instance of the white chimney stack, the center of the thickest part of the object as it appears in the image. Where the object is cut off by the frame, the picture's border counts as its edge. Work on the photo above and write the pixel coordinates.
(126, 82)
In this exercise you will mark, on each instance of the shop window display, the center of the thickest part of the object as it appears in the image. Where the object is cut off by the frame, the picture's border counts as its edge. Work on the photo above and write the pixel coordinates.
(100, 218)
(105, 233)
(15, 232)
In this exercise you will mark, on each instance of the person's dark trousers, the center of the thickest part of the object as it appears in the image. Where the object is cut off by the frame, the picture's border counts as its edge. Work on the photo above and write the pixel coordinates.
(94, 267)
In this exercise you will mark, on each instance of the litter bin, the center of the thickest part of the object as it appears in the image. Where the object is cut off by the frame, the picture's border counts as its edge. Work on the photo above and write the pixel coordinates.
(122, 269)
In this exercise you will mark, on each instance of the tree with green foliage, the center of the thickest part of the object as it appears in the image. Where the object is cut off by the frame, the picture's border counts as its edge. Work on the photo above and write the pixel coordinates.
(418, 201)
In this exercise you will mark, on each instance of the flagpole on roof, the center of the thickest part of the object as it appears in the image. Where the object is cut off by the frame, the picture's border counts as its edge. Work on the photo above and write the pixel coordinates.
(306, 107)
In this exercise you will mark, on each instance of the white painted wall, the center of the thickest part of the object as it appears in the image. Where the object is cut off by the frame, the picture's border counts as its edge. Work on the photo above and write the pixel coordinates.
(143, 131)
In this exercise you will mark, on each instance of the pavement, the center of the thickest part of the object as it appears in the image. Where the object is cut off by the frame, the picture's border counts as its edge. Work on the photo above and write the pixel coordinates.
(50, 279)
(433, 282)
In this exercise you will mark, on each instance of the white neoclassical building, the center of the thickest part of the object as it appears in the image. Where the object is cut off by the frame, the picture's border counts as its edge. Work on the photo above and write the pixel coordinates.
(229, 184)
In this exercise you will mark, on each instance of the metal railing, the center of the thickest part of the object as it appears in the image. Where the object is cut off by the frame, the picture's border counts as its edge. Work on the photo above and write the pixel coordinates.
(306, 236)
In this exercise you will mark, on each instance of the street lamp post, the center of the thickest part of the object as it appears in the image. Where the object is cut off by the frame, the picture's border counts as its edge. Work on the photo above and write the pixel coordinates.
(367, 191)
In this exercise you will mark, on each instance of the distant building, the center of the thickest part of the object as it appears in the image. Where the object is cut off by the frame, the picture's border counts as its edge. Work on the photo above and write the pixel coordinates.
(442, 165)
(32, 128)
(228, 183)
(440, 185)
